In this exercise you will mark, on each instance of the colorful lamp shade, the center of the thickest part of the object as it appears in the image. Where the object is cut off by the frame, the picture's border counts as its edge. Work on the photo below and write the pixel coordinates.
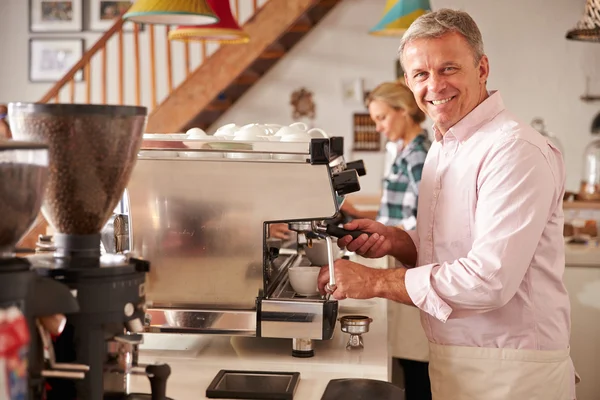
(226, 30)
(398, 15)
(171, 12)
(588, 28)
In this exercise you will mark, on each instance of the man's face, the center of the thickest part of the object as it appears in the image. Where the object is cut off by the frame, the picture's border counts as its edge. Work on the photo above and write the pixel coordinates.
(444, 78)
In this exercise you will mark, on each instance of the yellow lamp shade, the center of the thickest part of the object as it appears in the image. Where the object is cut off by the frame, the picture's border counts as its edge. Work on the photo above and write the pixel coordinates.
(398, 15)
(171, 12)
(225, 31)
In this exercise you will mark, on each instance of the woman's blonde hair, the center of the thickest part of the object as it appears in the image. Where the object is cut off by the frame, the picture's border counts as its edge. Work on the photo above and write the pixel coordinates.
(398, 96)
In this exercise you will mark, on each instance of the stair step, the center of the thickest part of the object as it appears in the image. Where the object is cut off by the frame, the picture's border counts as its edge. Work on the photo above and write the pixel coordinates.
(219, 105)
(247, 78)
(300, 28)
(302, 25)
(272, 54)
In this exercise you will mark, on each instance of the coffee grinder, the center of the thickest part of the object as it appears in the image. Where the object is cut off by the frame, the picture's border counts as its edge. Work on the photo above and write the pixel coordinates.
(29, 304)
(92, 149)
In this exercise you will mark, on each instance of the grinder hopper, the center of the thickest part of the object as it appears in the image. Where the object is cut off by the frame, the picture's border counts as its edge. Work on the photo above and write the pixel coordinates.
(93, 149)
(23, 168)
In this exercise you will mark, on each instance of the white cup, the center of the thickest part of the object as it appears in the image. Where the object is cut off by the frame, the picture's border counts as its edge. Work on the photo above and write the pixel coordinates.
(299, 125)
(317, 254)
(304, 280)
(317, 133)
(227, 130)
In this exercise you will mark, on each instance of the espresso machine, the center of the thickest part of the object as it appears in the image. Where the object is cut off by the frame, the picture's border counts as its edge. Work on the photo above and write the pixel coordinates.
(200, 209)
(92, 151)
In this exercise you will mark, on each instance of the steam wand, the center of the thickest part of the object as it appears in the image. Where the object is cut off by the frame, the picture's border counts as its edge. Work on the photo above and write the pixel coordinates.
(323, 230)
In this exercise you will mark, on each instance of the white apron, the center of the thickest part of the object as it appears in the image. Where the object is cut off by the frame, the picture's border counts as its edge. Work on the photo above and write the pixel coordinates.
(476, 373)
(406, 335)
(405, 332)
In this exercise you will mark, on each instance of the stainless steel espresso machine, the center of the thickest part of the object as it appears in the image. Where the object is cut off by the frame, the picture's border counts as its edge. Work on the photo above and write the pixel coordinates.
(92, 150)
(201, 211)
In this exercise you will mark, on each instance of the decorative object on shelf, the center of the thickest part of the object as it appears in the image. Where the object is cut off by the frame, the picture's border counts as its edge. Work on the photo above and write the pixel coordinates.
(352, 90)
(103, 13)
(51, 58)
(225, 31)
(398, 15)
(589, 189)
(171, 12)
(587, 97)
(366, 137)
(303, 104)
(588, 27)
(55, 16)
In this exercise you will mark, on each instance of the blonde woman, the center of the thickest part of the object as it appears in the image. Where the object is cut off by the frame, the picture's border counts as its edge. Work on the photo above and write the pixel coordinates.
(396, 115)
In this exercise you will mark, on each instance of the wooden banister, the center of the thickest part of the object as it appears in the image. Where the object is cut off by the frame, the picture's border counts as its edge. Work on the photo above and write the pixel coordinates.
(136, 51)
(131, 73)
(85, 59)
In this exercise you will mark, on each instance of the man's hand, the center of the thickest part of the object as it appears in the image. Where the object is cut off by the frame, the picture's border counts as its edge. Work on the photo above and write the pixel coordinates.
(355, 281)
(374, 246)
(352, 280)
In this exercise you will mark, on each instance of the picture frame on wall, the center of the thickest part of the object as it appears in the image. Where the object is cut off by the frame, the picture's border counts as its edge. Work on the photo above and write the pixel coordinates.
(103, 14)
(51, 58)
(55, 16)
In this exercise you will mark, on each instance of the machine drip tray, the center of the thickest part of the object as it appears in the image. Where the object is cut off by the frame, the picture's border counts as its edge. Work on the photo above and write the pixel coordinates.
(229, 384)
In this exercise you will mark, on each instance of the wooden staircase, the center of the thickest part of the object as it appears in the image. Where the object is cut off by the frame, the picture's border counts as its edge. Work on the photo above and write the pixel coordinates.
(203, 92)
(218, 83)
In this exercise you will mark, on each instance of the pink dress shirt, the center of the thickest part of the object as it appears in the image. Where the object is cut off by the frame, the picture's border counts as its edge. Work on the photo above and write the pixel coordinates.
(490, 236)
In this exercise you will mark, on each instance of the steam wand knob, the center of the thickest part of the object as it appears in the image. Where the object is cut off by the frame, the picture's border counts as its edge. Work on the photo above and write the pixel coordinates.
(158, 374)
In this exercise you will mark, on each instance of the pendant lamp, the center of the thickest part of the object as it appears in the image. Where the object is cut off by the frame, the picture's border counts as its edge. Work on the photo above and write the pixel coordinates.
(225, 31)
(171, 12)
(588, 28)
(398, 15)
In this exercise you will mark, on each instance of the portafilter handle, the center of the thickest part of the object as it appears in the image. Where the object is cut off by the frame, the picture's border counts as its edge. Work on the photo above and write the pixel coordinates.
(334, 230)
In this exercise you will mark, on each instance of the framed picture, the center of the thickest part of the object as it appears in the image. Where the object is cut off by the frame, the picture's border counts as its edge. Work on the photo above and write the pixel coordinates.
(55, 15)
(103, 14)
(51, 58)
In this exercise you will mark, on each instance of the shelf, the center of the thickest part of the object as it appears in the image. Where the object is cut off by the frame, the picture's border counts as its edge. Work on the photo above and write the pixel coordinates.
(581, 205)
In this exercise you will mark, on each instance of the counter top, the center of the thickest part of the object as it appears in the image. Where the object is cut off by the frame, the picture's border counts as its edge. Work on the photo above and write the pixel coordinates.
(196, 359)
(580, 255)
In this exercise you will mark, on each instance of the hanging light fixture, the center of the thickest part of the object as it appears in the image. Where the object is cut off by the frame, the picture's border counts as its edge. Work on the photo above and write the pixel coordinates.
(171, 12)
(398, 15)
(588, 27)
(226, 30)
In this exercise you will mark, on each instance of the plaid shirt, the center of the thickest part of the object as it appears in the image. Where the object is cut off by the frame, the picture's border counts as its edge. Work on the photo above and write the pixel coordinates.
(401, 185)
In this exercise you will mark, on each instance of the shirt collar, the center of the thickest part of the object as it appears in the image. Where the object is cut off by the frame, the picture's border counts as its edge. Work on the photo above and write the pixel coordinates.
(479, 116)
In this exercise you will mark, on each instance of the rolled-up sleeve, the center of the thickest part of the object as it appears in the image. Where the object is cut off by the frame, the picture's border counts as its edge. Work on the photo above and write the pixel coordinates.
(518, 190)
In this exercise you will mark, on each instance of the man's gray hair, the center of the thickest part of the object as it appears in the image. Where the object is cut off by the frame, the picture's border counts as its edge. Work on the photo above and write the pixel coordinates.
(437, 23)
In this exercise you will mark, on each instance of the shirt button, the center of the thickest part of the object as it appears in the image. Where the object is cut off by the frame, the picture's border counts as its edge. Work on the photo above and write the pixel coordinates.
(429, 237)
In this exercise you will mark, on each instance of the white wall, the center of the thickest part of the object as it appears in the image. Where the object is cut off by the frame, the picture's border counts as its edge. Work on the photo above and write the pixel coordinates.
(539, 72)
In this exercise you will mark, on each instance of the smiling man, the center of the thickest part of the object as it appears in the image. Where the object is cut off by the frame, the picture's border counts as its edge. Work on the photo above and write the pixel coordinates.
(486, 261)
